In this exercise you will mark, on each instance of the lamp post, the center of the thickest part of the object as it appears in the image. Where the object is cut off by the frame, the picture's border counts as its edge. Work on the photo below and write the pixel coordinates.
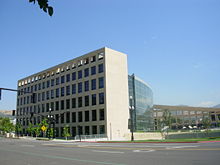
(50, 117)
(131, 107)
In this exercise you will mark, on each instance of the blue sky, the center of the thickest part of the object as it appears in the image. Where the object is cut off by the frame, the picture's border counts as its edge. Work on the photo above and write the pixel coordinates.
(172, 45)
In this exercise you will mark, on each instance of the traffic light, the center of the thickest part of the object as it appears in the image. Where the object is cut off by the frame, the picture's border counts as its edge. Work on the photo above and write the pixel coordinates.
(34, 98)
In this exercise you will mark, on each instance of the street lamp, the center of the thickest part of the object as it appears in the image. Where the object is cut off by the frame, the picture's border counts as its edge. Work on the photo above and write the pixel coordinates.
(131, 107)
(50, 117)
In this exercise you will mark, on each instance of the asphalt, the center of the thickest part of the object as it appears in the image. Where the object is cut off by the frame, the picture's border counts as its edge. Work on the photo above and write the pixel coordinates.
(32, 152)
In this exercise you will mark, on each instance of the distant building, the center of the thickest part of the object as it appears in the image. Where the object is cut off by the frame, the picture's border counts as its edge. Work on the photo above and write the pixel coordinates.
(142, 100)
(187, 117)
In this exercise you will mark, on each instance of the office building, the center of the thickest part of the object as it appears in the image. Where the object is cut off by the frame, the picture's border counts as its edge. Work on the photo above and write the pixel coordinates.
(141, 99)
(88, 93)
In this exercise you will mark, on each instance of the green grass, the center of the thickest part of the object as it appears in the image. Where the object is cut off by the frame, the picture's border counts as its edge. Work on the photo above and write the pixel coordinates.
(172, 140)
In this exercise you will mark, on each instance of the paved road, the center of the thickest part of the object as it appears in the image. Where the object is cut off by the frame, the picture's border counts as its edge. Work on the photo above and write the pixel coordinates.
(31, 152)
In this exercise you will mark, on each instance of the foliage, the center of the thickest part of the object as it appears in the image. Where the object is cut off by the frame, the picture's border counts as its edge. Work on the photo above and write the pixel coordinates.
(43, 4)
(50, 132)
(206, 121)
(30, 129)
(66, 133)
(6, 126)
(37, 130)
(165, 122)
(18, 128)
(45, 124)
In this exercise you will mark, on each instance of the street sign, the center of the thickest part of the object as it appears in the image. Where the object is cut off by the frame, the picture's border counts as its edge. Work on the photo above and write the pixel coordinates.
(43, 128)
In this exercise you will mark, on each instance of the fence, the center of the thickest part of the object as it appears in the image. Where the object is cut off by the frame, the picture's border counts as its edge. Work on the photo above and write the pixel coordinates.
(91, 137)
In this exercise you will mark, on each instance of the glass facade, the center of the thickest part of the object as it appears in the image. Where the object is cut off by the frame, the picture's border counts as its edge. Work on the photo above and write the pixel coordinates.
(142, 100)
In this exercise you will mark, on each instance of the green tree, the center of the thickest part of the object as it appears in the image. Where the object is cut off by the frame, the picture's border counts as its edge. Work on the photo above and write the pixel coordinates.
(6, 126)
(206, 122)
(66, 132)
(18, 128)
(30, 129)
(37, 130)
(165, 122)
(43, 4)
(45, 124)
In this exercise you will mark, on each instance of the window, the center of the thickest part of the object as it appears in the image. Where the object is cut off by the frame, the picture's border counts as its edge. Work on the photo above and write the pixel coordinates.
(62, 79)
(38, 97)
(67, 77)
(42, 108)
(93, 84)
(101, 114)
(52, 82)
(86, 61)
(74, 89)
(43, 86)
(94, 129)
(93, 70)
(101, 82)
(80, 117)
(52, 94)
(86, 72)
(57, 105)
(52, 106)
(48, 83)
(67, 117)
(101, 56)
(48, 95)
(101, 68)
(57, 118)
(62, 104)
(62, 118)
(80, 87)
(79, 74)
(101, 129)
(86, 116)
(39, 86)
(80, 102)
(93, 58)
(62, 91)
(67, 90)
(73, 102)
(94, 115)
(101, 98)
(73, 76)
(57, 92)
(94, 99)
(68, 104)
(73, 117)
(87, 132)
(57, 81)
(86, 100)
(47, 107)
(86, 86)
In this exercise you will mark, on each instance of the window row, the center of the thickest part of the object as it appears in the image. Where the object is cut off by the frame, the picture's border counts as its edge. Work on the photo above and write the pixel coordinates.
(61, 69)
(64, 91)
(69, 117)
(89, 100)
(63, 79)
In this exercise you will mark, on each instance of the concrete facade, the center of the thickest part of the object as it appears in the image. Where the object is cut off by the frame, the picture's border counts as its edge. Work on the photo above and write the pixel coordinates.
(88, 93)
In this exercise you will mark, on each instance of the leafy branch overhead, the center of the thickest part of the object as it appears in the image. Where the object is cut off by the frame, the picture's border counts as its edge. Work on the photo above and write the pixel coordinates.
(43, 4)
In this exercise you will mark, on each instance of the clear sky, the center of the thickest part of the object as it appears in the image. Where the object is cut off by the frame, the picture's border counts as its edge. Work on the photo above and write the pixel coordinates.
(173, 45)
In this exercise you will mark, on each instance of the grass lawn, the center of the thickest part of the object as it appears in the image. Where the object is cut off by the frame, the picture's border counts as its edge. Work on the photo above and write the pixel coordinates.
(171, 140)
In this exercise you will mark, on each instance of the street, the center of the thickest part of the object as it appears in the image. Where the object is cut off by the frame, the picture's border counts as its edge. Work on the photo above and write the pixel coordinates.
(32, 152)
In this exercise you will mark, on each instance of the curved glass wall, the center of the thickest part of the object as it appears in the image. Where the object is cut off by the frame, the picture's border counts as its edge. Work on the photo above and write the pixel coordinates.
(142, 100)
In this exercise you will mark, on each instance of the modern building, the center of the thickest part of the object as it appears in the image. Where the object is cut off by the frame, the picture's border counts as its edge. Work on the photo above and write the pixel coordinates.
(89, 94)
(141, 99)
(186, 117)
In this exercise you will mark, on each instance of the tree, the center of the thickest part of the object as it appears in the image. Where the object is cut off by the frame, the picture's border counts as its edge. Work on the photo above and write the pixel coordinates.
(37, 130)
(165, 122)
(66, 133)
(44, 124)
(30, 129)
(43, 4)
(6, 126)
(206, 122)
(18, 128)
